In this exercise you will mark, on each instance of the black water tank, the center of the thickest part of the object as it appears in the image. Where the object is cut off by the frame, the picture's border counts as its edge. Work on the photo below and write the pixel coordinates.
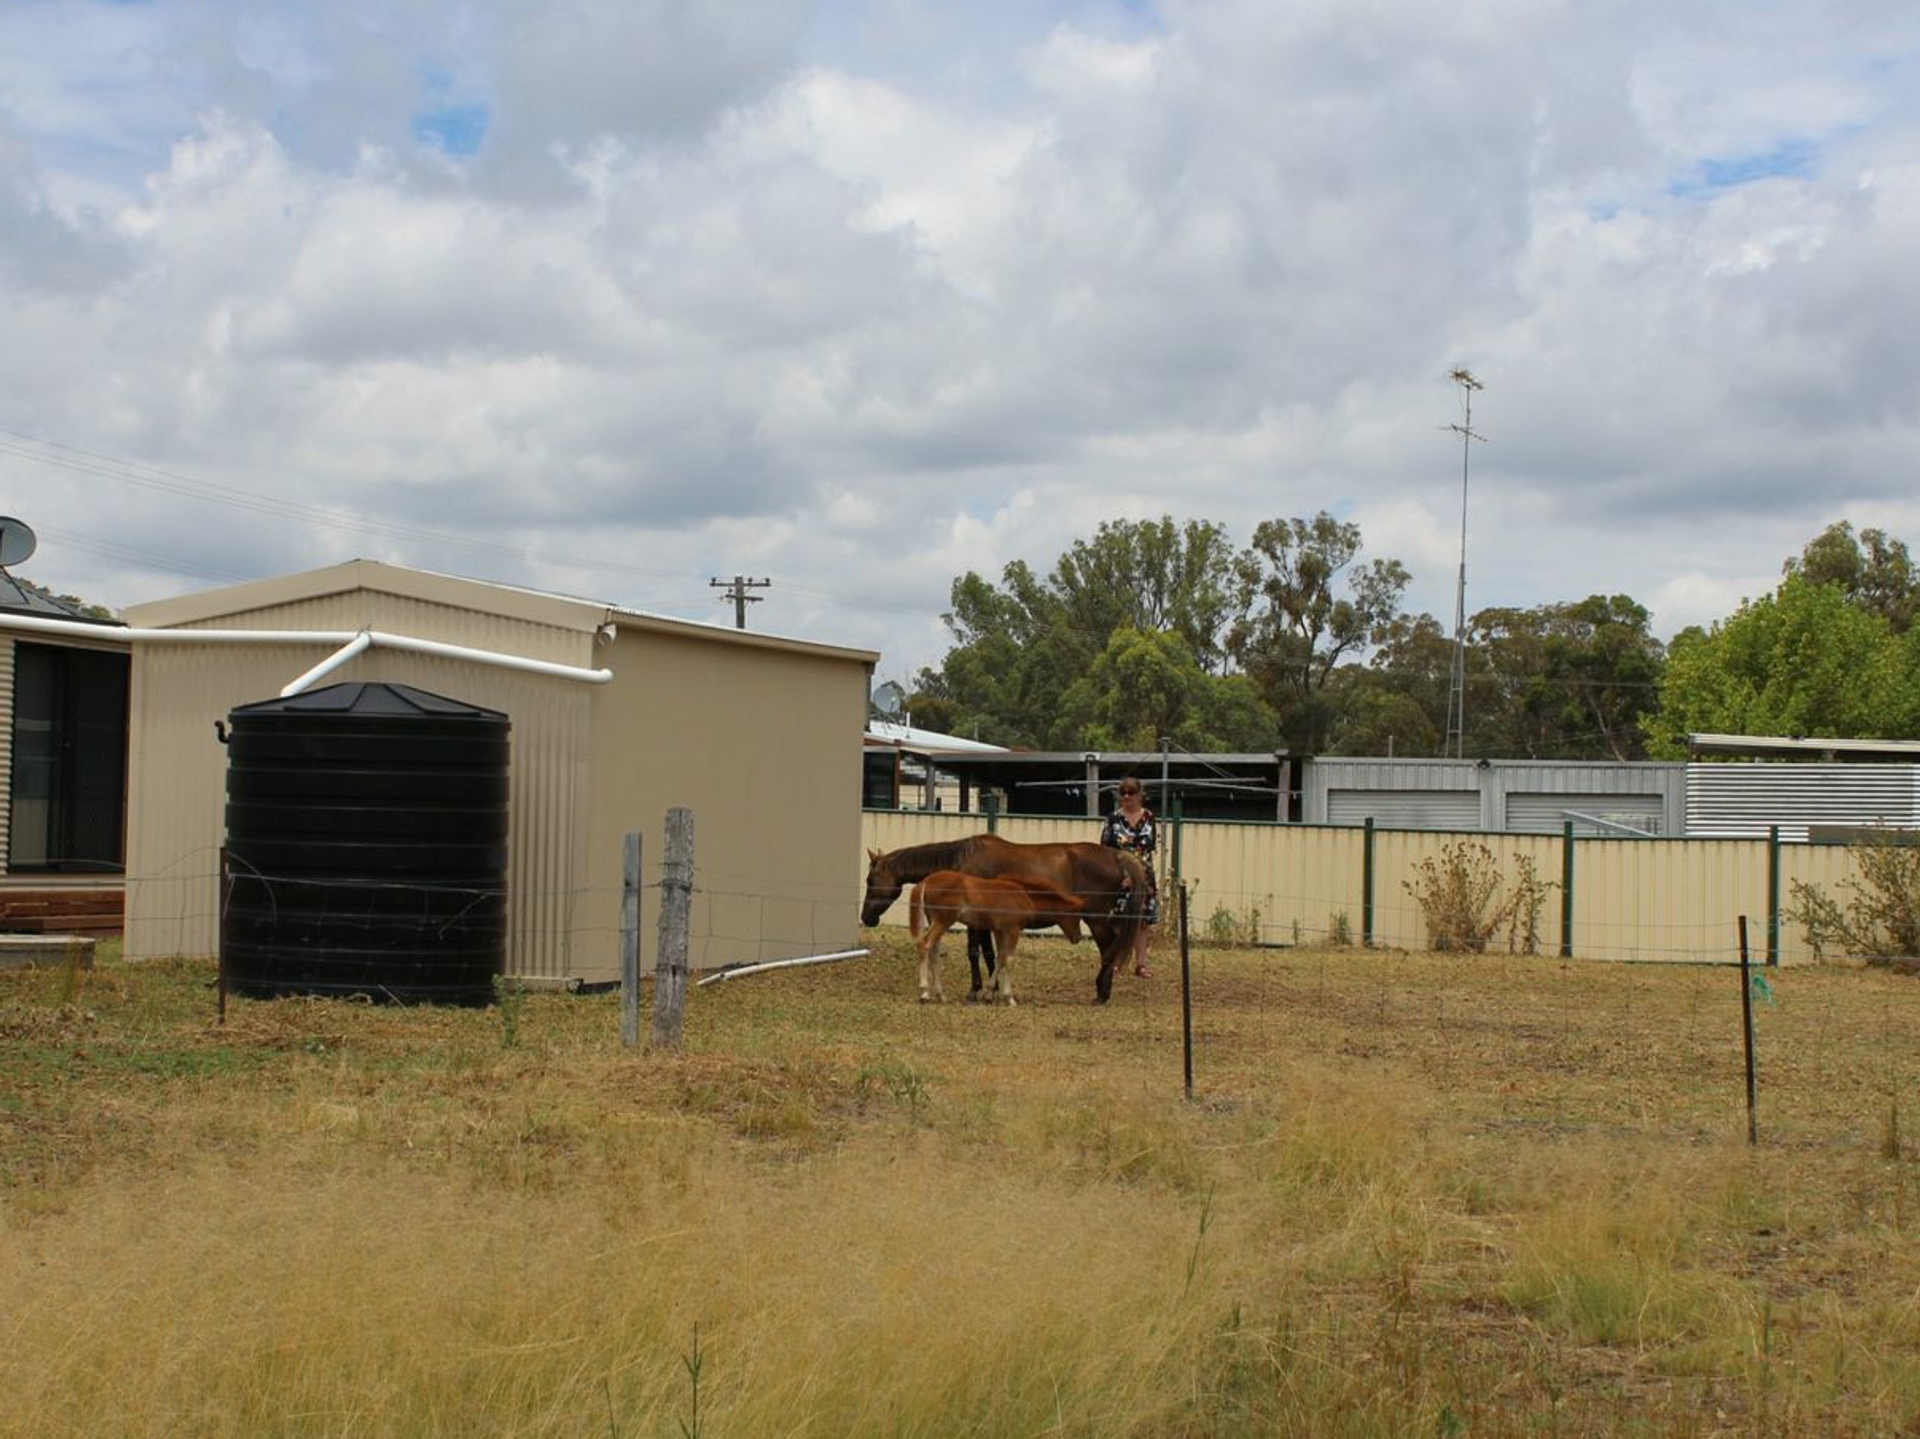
(366, 846)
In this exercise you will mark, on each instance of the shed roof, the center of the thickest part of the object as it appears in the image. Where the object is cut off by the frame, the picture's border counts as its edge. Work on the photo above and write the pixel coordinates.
(485, 596)
(1802, 747)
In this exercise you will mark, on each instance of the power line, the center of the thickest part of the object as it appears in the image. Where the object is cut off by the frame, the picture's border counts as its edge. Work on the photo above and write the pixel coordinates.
(77, 460)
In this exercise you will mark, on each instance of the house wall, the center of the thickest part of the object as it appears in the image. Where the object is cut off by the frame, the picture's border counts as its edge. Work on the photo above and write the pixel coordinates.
(8, 662)
(6, 747)
(760, 739)
(177, 772)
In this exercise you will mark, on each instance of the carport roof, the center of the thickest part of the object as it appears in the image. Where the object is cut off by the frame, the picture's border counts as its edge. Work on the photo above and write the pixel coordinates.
(1046, 769)
(1802, 747)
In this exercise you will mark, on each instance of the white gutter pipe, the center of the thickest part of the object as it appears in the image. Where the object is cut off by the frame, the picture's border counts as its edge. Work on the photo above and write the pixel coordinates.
(359, 644)
(375, 639)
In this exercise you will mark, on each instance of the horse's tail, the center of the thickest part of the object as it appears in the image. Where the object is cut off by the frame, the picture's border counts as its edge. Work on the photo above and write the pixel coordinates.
(916, 913)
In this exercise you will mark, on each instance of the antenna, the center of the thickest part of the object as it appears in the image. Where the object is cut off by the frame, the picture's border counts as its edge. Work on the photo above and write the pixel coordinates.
(737, 592)
(1456, 739)
(17, 541)
(890, 701)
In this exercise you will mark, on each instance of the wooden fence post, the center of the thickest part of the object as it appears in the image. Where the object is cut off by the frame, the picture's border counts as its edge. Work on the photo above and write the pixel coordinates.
(676, 899)
(630, 941)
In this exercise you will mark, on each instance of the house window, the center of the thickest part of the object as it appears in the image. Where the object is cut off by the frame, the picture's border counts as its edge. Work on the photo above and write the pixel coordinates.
(68, 800)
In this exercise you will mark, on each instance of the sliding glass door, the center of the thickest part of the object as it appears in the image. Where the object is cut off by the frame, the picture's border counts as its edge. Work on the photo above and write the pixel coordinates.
(69, 762)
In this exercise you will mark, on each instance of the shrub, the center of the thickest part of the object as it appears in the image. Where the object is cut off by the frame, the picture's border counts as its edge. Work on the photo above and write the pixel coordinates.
(1879, 917)
(1464, 900)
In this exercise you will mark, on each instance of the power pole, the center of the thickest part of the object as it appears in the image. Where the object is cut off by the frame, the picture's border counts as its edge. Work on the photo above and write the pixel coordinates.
(737, 592)
(1456, 741)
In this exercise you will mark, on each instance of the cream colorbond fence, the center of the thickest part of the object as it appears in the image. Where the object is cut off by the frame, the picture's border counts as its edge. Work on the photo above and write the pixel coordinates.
(1631, 899)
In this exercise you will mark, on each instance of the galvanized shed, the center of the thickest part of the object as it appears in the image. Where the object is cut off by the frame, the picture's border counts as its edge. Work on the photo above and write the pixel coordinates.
(1518, 796)
(1748, 800)
(617, 715)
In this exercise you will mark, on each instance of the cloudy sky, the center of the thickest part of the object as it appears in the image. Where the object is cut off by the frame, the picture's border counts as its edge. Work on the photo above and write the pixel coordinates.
(615, 297)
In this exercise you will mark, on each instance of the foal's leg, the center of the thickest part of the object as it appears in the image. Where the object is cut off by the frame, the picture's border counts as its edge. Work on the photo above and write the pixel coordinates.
(928, 946)
(1003, 980)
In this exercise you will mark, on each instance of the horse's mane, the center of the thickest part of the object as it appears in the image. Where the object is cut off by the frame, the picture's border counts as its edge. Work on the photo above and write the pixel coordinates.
(917, 861)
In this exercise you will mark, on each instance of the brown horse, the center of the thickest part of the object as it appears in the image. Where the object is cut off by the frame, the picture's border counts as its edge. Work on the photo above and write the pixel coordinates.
(1006, 907)
(1112, 883)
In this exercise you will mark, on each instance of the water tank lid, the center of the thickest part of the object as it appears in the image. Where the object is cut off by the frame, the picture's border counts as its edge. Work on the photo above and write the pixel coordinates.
(360, 697)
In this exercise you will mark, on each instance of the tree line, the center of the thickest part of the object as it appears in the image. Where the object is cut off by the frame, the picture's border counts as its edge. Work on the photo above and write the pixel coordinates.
(1155, 628)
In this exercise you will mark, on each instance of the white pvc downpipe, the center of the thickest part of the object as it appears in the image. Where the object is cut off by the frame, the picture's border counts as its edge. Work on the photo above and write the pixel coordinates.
(359, 644)
(738, 971)
(349, 643)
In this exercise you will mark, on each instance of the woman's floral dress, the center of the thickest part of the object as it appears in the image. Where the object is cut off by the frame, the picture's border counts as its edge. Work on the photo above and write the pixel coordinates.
(1138, 839)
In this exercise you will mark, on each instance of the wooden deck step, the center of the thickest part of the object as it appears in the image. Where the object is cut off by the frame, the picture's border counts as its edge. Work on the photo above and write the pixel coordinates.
(63, 909)
(63, 924)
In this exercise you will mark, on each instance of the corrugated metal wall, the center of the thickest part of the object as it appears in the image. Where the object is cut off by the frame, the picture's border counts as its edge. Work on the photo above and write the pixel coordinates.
(1495, 794)
(1321, 778)
(763, 745)
(177, 773)
(1406, 808)
(1746, 798)
(1651, 899)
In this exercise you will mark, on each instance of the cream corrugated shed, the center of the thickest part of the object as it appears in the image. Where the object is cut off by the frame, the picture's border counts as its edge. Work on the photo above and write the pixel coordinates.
(748, 730)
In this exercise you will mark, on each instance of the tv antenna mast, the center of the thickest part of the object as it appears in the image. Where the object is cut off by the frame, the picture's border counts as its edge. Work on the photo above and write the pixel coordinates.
(736, 590)
(1456, 741)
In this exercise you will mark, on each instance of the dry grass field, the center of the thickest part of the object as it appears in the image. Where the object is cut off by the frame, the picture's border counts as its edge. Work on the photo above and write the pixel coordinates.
(1412, 1195)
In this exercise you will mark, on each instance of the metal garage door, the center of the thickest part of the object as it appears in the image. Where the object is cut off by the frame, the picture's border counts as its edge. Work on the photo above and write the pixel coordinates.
(1547, 813)
(1405, 808)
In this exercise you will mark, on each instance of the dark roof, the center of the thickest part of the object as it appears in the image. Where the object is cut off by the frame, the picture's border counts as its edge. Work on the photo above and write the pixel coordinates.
(361, 699)
(23, 597)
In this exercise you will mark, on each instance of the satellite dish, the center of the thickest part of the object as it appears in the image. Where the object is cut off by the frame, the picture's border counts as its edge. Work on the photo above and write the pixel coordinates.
(889, 700)
(17, 541)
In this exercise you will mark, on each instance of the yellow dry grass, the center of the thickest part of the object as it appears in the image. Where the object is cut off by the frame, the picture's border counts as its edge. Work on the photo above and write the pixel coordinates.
(1412, 1195)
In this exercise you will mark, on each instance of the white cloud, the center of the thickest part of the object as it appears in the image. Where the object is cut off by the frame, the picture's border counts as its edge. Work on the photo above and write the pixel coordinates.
(866, 296)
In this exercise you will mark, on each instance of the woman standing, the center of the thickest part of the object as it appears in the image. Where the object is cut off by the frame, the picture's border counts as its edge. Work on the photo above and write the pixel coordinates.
(1131, 827)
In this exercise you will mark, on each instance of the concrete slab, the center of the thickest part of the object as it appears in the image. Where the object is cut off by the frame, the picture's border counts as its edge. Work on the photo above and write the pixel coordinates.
(17, 951)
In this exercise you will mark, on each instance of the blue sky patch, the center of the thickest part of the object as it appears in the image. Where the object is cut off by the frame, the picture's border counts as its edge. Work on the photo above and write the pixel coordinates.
(1796, 159)
(452, 129)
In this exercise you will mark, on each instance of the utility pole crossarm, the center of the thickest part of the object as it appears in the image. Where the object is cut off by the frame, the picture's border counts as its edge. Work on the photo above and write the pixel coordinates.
(736, 591)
